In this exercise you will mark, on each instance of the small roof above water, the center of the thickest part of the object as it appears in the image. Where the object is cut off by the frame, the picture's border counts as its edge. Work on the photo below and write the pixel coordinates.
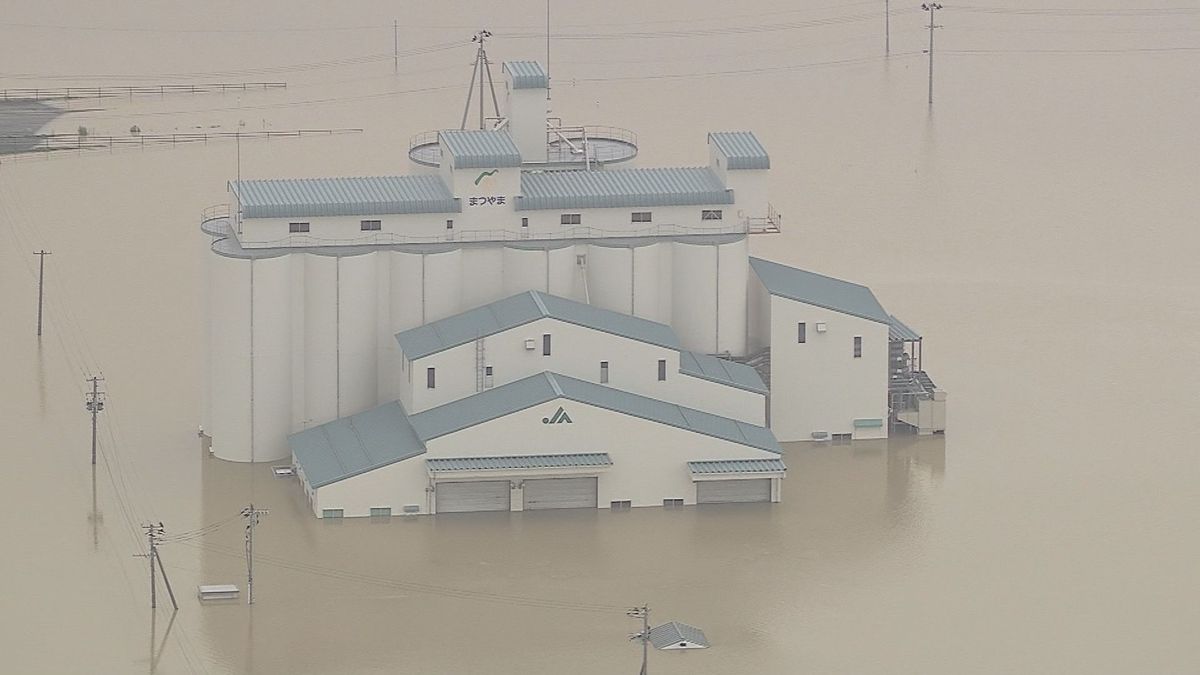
(676, 635)
(527, 74)
(480, 149)
(357, 196)
(741, 148)
(819, 290)
(673, 186)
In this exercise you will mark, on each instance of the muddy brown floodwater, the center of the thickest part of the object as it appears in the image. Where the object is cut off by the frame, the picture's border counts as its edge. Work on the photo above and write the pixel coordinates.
(1038, 225)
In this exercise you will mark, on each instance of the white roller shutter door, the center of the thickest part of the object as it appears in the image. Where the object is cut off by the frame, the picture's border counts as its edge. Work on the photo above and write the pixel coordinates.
(560, 493)
(727, 491)
(488, 495)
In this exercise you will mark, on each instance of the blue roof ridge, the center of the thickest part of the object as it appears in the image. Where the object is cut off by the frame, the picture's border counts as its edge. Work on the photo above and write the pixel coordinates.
(329, 440)
(554, 384)
(537, 300)
(815, 274)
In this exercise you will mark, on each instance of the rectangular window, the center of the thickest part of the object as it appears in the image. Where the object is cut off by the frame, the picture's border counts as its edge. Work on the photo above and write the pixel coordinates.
(487, 370)
(604, 372)
(571, 219)
(620, 505)
(430, 379)
(297, 227)
(640, 217)
(524, 222)
(672, 503)
(710, 214)
(801, 333)
(449, 224)
(662, 370)
(546, 345)
(841, 439)
(858, 346)
(381, 512)
(332, 513)
(371, 225)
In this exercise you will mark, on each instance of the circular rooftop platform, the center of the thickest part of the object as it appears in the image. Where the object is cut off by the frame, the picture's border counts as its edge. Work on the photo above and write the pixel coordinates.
(573, 147)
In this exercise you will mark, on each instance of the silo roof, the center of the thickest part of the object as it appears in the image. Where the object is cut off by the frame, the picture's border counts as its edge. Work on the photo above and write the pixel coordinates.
(671, 186)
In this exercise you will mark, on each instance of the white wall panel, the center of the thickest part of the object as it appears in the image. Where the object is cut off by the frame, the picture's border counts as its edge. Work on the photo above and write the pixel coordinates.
(694, 296)
(482, 275)
(610, 277)
(733, 276)
(272, 358)
(565, 278)
(229, 374)
(320, 339)
(647, 282)
(357, 371)
(525, 269)
(442, 284)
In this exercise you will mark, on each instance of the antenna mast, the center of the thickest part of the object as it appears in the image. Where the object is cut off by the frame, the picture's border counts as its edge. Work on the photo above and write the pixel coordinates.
(481, 71)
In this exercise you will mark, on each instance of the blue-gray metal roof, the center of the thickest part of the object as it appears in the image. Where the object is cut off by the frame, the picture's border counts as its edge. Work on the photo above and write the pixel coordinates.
(899, 331)
(352, 445)
(671, 634)
(741, 149)
(480, 149)
(363, 196)
(545, 387)
(723, 371)
(737, 466)
(521, 309)
(527, 74)
(819, 290)
(509, 462)
(685, 186)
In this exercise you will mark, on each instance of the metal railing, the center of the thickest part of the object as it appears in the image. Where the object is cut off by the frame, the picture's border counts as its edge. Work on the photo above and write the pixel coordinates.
(214, 212)
(772, 223)
(46, 94)
(584, 144)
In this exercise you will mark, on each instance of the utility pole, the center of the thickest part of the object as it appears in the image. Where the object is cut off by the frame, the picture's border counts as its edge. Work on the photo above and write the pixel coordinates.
(642, 613)
(41, 277)
(251, 515)
(887, 28)
(154, 534)
(395, 47)
(94, 404)
(547, 50)
(931, 7)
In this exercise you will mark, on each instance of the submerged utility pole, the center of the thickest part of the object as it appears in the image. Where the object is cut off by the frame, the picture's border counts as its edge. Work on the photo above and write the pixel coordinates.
(887, 28)
(931, 7)
(154, 534)
(395, 47)
(41, 277)
(94, 404)
(251, 515)
(642, 613)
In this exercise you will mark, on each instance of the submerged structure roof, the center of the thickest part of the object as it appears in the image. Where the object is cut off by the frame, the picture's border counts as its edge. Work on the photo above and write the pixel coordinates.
(741, 148)
(819, 290)
(672, 186)
(360, 196)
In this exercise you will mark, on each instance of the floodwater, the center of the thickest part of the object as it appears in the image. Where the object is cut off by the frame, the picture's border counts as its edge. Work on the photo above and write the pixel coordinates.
(1038, 225)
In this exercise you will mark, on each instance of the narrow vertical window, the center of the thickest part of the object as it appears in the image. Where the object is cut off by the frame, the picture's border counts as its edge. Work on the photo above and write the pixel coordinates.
(449, 224)
(524, 222)
(604, 372)
(801, 333)
(487, 370)
(662, 370)
(546, 345)
(430, 378)
(857, 346)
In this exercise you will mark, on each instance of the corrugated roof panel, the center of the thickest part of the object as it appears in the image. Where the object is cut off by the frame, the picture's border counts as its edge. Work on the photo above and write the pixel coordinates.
(527, 74)
(898, 330)
(482, 407)
(352, 445)
(671, 634)
(819, 290)
(362, 196)
(720, 370)
(736, 466)
(684, 186)
(480, 149)
(741, 148)
(521, 309)
(511, 462)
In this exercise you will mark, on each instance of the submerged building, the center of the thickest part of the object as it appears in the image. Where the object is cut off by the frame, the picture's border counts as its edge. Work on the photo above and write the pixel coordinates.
(521, 324)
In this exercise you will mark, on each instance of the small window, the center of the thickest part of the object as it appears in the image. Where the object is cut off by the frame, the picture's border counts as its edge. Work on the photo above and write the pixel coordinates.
(381, 512)
(710, 214)
(449, 224)
(546, 345)
(672, 503)
(620, 505)
(332, 513)
(841, 439)
(430, 378)
(297, 227)
(640, 217)
(524, 222)
(801, 333)
(371, 225)
(662, 370)
(487, 370)
(858, 346)
(571, 219)
(604, 372)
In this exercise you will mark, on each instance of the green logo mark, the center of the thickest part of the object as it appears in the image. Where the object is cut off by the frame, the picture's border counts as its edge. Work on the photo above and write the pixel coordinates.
(485, 174)
(560, 416)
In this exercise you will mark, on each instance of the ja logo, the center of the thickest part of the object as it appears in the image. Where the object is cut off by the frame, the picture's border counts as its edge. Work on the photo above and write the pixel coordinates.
(560, 416)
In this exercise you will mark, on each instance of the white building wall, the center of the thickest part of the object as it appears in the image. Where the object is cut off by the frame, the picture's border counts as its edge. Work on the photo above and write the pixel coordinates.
(819, 385)
(525, 269)
(320, 339)
(610, 277)
(647, 282)
(566, 280)
(405, 298)
(733, 272)
(526, 109)
(482, 275)
(441, 283)
(758, 315)
(694, 296)
(395, 486)
(229, 374)
(271, 358)
(719, 399)
(357, 287)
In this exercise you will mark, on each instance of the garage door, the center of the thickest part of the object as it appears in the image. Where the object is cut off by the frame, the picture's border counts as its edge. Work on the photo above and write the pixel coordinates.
(560, 493)
(488, 495)
(725, 491)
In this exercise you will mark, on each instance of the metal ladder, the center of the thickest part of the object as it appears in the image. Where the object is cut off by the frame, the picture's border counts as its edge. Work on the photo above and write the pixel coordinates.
(480, 365)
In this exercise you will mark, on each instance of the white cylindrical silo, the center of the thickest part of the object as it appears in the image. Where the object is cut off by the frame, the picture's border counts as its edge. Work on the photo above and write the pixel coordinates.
(320, 339)
(404, 312)
(525, 269)
(441, 281)
(647, 282)
(563, 272)
(732, 282)
(356, 358)
(694, 296)
(271, 357)
(610, 277)
(482, 275)
(229, 350)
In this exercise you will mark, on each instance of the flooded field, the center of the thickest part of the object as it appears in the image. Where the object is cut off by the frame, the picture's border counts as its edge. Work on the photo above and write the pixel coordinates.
(1037, 225)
